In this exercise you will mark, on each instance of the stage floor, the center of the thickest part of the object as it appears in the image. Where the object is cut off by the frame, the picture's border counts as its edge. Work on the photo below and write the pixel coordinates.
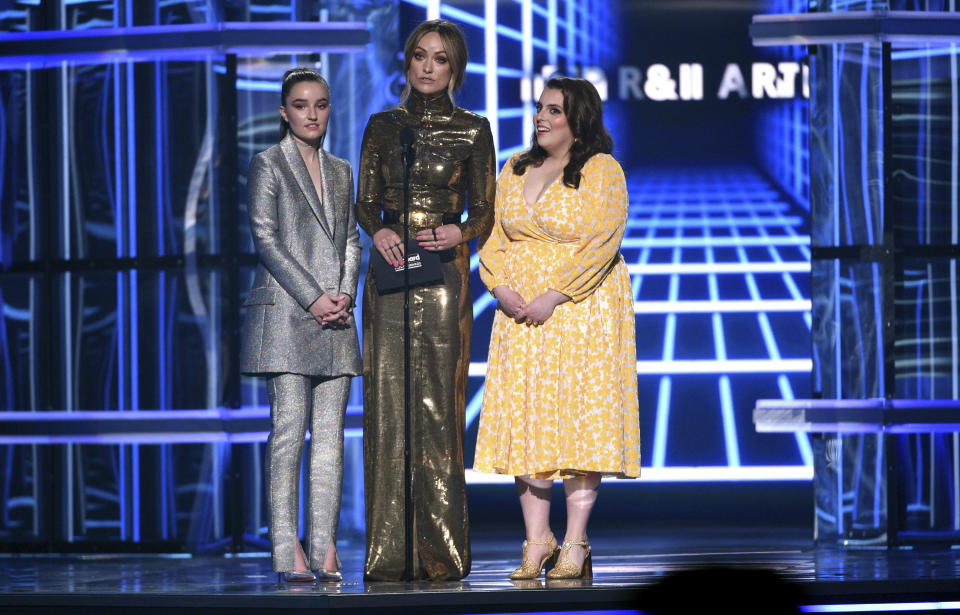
(624, 565)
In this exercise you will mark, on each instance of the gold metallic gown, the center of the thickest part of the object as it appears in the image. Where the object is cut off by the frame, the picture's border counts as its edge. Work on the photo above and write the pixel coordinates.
(454, 160)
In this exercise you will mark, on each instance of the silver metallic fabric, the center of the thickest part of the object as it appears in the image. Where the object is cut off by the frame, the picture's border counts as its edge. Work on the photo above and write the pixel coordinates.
(454, 161)
(308, 245)
(296, 400)
(301, 258)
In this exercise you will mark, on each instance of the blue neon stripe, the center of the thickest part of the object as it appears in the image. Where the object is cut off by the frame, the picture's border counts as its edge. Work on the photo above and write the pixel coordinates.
(473, 407)
(729, 423)
(662, 424)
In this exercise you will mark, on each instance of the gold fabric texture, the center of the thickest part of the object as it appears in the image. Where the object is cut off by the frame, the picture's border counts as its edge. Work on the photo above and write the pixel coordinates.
(454, 163)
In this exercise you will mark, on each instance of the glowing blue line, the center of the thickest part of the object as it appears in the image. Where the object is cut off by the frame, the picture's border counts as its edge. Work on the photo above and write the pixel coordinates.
(715, 268)
(752, 221)
(510, 151)
(662, 423)
(730, 366)
(473, 407)
(491, 58)
(645, 204)
(718, 242)
(459, 14)
(698, 306)
(865, 130)
(512, 112)
(476, 68)
(539, 10)
(915, 54)
(485, 301)
(673, 474)
(880, 607)
(729, 423)
(252, 85)
(552, 32)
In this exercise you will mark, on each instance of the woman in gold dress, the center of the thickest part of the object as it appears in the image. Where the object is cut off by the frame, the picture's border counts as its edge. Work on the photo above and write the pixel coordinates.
(454, 163)
(560, 397)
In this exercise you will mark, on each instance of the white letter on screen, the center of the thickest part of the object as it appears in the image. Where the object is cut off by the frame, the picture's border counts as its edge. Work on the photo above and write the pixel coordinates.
(763, 80)
(732, 82)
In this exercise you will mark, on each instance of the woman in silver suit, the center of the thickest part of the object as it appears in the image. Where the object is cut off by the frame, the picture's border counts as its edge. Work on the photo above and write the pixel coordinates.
(454, 165)
(299, 331)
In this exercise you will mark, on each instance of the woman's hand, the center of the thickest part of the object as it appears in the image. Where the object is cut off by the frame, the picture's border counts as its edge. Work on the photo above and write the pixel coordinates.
(510, 301)
(338, 317)
(389, 246)
(541, 308)
(324, 306)
(440, 238)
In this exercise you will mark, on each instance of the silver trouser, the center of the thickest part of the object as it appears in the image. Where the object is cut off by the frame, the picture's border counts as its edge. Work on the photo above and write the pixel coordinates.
(295, 400)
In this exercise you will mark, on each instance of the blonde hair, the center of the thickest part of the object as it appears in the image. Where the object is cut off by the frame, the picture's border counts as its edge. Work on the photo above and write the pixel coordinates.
(454, 45)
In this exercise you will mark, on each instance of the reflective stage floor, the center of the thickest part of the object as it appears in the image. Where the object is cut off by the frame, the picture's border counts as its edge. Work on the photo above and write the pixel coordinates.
(625, 566)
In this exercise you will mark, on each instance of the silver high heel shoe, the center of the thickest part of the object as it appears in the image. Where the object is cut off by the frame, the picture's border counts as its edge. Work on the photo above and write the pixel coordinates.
(296, 576)
(330, 576)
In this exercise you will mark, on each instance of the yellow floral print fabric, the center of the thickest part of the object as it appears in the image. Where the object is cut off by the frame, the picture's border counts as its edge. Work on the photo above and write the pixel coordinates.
(560, 399)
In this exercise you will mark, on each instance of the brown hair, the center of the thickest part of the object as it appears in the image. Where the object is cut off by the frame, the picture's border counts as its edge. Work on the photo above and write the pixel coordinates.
(453, 44)
(584, 111)
(291, 78)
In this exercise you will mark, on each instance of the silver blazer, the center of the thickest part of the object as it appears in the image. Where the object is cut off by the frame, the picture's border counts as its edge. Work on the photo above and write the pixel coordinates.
(306, 248)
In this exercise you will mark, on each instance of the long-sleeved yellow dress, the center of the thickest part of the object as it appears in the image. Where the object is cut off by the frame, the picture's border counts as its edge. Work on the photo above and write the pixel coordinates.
(561, 399)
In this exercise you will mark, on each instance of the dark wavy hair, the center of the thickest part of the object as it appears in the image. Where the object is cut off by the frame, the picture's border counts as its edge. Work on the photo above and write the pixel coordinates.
(453, 44)
(291, 78)
(584, 111)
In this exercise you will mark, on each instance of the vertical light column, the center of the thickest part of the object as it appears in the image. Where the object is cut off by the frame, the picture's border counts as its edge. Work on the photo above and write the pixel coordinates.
(835, 186)
(32, 327)
(214, 326)
(491, 88)
(65, 249)
(121, 325)
(552, 32)
(954, 206)
(433, 9)
(526, 28)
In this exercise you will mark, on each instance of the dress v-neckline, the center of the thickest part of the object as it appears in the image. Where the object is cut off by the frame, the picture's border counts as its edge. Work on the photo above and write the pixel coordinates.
(543, 191)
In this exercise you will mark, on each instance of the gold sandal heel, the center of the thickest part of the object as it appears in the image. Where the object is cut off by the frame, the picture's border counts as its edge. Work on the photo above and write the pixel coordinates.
(529, 569)
(566, 569)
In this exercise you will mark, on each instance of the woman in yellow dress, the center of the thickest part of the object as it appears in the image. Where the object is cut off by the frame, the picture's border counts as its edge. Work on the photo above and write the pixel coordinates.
(560, 399)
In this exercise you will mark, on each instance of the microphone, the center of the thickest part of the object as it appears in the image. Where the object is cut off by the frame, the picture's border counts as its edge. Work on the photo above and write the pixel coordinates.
(407, 137)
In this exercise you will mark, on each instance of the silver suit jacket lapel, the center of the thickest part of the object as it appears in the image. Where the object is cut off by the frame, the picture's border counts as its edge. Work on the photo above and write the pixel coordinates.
(299, 168)
(327, 202)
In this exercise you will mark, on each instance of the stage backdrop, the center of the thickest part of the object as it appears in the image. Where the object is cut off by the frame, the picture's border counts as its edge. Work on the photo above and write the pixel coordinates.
(126, 251)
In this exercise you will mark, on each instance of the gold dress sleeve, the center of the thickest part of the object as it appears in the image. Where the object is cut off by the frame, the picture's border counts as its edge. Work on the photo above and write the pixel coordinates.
(370, 182)
(481, 186)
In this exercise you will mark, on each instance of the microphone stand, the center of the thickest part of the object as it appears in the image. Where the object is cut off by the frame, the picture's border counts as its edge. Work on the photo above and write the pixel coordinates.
(409, 155)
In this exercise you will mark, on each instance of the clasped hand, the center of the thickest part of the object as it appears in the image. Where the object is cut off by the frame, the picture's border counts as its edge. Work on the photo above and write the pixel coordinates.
(388, 243)
(331, 311)
(534, 313)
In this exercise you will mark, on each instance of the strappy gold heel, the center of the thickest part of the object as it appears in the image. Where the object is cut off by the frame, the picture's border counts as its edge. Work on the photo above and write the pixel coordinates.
(566, 569)
(529, 569)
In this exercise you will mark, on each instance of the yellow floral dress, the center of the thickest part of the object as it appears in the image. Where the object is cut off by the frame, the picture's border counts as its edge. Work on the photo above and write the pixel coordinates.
(561, 399)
